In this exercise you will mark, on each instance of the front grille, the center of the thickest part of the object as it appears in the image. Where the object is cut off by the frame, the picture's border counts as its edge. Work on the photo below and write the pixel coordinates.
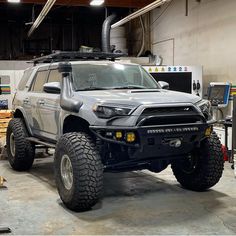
(168, 110)
(152, 121)
(169, 116)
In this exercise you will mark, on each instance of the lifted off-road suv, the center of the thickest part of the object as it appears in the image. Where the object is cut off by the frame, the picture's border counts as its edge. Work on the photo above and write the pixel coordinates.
(102, 115)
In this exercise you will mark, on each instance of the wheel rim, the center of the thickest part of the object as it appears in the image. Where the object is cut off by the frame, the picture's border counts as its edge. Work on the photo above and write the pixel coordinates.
(190, 164)
(12, 145)
(66, 172)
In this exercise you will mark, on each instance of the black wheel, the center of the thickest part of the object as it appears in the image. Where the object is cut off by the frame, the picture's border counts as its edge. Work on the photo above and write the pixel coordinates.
(203, 168)
(79, 171)
(20, 151)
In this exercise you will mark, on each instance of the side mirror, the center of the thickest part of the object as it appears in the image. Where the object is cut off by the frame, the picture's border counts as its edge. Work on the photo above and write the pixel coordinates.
(53, 87)
(164, 85)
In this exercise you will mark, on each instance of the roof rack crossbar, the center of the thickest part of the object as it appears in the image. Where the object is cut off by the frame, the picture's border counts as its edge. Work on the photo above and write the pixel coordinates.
(76, 56)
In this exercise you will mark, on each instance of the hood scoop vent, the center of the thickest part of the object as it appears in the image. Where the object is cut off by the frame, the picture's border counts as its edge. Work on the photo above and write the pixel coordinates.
(145, 91)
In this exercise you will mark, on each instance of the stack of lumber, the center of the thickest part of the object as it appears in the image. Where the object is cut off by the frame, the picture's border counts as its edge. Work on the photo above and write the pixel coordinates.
(5, 117)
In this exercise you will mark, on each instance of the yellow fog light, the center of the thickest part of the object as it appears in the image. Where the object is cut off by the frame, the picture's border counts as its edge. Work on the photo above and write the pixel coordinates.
(130, 137)
(118, 135)
(208, 131)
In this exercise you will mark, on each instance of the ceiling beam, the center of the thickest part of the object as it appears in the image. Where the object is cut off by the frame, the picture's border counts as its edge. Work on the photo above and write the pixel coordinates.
(108, 3)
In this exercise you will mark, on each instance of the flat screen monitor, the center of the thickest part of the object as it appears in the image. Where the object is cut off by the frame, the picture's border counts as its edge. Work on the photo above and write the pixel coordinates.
(218, 94)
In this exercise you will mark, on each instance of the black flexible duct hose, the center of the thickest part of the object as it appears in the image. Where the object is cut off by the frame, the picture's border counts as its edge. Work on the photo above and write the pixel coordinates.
(106, 30)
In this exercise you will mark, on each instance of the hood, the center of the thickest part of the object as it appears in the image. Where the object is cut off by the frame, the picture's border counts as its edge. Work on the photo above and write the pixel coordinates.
(138, 97)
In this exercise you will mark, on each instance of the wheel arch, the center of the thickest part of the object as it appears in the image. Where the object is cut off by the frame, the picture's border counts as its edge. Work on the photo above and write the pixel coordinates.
(74, 123)
(20, 113)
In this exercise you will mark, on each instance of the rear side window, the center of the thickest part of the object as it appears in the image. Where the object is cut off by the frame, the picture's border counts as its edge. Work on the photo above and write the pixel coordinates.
(54, 76)
(39, 81)
(24, 79)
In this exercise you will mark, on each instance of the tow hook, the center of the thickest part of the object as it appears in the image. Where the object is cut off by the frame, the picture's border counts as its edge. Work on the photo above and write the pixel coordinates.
(176, 142)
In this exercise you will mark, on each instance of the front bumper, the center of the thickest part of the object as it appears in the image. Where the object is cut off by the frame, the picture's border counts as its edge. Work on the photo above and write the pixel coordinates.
(157, 141)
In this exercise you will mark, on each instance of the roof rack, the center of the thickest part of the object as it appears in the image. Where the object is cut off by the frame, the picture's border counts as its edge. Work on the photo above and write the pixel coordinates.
(76, 56)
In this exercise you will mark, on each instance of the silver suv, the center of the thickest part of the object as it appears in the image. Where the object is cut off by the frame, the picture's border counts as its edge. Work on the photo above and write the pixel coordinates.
(104, 115)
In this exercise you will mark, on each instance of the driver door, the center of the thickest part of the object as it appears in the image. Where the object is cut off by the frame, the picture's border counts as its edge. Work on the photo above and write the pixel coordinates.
(36, 95)
(49, 109)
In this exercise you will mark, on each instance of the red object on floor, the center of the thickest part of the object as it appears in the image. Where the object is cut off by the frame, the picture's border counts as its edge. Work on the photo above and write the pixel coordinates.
(225, 153)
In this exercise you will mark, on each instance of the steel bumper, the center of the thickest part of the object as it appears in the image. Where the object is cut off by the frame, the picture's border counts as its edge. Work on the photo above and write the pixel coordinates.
(158, 141)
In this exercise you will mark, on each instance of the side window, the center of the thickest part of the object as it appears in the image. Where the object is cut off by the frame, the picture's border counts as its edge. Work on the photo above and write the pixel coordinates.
(39, 81)
(24, 79)
(54, 76)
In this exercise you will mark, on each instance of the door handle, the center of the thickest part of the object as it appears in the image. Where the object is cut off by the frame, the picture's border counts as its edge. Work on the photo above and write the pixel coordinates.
(26, 101)
(41, 102)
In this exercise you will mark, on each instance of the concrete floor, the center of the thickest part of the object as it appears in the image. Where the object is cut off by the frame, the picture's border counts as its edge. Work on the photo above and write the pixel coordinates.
(133, 203)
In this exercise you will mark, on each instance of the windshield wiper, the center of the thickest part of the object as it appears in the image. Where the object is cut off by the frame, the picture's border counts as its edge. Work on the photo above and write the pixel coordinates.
(130, 87)
(110, 88)
(92, 88)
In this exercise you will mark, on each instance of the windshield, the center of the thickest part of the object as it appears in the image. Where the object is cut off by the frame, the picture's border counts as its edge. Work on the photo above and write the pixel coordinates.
(111, 76)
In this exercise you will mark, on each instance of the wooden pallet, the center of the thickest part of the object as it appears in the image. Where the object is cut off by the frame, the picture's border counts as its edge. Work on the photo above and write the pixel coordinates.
(6, 114)
(3, 130)
(5, 117)
(2, 135)
(4, 123)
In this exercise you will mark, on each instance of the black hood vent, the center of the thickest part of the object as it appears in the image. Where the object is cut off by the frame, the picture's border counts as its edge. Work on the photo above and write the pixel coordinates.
(145, 91)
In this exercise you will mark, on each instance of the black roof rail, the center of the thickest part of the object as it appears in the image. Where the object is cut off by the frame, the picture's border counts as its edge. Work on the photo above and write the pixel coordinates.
(76, 56)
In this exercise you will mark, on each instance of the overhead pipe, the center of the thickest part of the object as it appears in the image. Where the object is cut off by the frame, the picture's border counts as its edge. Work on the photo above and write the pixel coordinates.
(106, 30)
(140, 12)
(47, 7)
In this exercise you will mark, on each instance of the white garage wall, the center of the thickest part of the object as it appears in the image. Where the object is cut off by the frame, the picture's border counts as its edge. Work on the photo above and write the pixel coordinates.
(207, 36)
(13, 69)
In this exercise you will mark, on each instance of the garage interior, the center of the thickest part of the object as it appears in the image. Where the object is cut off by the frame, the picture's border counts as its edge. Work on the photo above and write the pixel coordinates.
(188, 44)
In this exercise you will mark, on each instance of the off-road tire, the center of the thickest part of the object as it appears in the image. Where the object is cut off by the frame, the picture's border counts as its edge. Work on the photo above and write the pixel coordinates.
(24, 150)
(87, 171)
(209, 166)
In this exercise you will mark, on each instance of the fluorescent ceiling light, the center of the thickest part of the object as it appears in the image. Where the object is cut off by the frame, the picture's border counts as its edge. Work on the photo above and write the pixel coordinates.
(13, 1)
(96, 2)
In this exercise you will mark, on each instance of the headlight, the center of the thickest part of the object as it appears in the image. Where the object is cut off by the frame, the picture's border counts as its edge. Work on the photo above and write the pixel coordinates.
(206, 109)
(107, 111)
